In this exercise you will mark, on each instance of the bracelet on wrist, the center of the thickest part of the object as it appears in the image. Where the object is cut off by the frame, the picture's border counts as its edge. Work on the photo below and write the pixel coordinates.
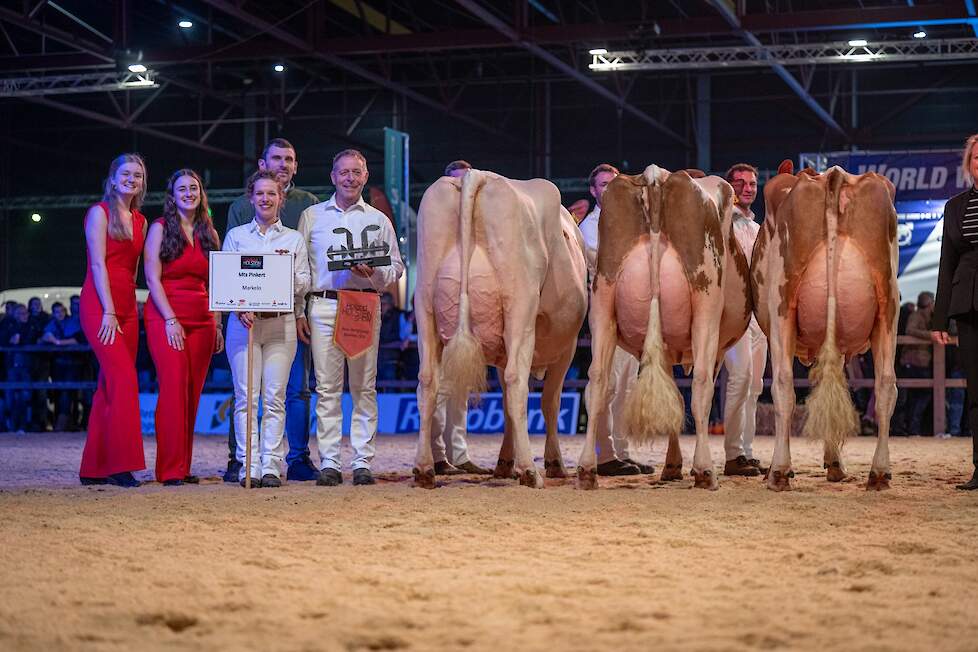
(108, 313)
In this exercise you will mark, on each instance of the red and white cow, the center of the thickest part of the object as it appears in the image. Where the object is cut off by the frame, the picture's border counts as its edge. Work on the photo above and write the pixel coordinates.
(824, 275)
(671, 288)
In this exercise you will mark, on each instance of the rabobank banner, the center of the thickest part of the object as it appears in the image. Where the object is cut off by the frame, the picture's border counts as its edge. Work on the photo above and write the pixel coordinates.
(924, 181)
(397, 413)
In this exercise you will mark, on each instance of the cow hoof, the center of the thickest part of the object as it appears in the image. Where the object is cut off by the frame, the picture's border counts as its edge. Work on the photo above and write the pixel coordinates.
(504, 470)
(587, 478)
(554, 469)
(779, 480)
(705, 479)
(531, 478)
(671, 472)
(834, 472)
(424, 479)
(878, 482)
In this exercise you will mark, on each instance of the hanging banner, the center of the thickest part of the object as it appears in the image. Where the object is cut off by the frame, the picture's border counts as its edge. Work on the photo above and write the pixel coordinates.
(397, 414)
(924, 181)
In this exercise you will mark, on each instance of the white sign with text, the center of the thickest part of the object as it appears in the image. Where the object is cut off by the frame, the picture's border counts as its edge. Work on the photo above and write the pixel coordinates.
(251, 282)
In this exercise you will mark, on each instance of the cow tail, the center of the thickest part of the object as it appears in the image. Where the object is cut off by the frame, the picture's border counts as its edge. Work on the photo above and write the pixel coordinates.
(463, 363)
(831, 414)
(654, 406)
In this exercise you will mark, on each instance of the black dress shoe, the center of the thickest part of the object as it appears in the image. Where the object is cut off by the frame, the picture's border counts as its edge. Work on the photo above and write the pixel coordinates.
(363, 477)
(473, 468)
(329, 478)
(302, 470)
(88, 481)
(646, 469)
(173, 482)
(191, 479)
(446, 468)
(617, 467)
(255, 483)
(970, 485)
(270, 481)
(234, 468)
(124, 479)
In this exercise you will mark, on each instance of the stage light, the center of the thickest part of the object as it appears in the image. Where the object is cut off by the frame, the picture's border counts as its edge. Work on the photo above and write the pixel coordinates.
(920, 34)
(279, 68)
(185, 24)
(35, 217)
(598, 51)
(137, 67)
(858, 42)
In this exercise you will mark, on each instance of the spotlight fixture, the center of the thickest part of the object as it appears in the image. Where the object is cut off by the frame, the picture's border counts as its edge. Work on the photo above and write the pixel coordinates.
(137, 68)
(920, 34)
(858, 43)
(185, 24)
(35, 217)
(598, 51)
(279, 68)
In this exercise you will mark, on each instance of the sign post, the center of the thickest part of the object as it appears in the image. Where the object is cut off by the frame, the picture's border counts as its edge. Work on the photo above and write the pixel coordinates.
(397, 187)
(251, 282)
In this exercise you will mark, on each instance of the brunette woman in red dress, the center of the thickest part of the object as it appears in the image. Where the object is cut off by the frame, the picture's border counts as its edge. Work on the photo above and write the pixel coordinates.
(182, 334)
(114, 232)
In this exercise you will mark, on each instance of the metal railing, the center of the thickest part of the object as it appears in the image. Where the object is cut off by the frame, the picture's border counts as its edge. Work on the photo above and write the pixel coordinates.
(937, 382)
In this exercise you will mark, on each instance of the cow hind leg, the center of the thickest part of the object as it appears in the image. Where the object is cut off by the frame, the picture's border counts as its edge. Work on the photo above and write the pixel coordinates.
(517, 376)
(428, 381)
(783, 391)
(884, 352)
(673, 468)
(506, 461)
(553, 461)
(704, 354)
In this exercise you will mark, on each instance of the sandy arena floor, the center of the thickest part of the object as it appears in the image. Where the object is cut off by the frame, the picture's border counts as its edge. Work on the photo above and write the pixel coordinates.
(488, 565)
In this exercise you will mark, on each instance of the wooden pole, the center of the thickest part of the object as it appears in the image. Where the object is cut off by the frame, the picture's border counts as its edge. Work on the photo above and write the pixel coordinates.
(250, 411)
(940, 397)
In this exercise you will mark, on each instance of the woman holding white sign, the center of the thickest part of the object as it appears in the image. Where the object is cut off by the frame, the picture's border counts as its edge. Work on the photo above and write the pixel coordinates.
(180, 329)
(274, 336)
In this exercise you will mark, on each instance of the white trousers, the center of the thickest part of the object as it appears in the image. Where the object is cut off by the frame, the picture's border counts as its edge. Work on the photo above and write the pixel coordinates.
(611, 440)
(448, 431)
(273, 351)
(329, 363)
(745, 363)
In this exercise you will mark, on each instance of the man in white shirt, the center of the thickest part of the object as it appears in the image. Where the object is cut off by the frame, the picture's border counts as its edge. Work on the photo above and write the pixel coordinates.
(328, 228)
(612, 443)
(746, 359)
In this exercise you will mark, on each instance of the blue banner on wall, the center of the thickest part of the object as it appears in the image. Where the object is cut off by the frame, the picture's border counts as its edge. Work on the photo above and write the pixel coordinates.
(397, 413)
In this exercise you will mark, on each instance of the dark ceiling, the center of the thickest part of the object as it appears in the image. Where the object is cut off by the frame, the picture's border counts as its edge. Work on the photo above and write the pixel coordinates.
(505, 85)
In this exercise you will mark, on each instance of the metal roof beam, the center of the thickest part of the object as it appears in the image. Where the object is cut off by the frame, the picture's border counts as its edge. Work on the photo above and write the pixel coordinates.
(508, 31)
(300, 44)
(727, 12)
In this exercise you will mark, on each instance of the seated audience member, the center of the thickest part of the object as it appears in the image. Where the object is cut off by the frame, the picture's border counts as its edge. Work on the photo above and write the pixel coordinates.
(22, 332)
(915, 362)
(65, 366)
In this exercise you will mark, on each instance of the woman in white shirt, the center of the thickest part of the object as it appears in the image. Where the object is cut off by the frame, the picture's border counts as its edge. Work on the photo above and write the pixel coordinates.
(274, 336)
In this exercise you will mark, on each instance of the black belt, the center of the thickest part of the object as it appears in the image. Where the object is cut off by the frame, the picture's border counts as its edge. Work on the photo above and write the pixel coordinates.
(331, 294)
(269, 315)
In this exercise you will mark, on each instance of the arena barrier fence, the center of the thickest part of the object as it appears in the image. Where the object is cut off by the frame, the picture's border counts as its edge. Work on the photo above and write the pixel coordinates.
(937, 382)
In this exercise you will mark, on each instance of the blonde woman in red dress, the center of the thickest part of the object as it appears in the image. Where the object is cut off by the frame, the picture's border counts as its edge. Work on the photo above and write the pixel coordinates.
(114, 233)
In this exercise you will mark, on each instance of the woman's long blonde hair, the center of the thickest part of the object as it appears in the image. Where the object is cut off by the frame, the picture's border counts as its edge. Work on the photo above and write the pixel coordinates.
(969, 148)
(117, 229)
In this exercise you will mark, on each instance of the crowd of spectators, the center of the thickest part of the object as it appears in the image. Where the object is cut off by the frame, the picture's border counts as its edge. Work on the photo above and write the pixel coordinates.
(67, 409)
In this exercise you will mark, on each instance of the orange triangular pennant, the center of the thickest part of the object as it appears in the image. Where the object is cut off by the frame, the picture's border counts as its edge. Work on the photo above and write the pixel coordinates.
(356, 313)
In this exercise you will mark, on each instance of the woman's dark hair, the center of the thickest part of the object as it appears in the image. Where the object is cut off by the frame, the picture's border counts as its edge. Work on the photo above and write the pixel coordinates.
(174, 239)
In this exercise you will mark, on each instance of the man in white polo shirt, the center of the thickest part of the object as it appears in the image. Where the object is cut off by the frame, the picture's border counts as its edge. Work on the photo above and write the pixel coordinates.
(329, 227)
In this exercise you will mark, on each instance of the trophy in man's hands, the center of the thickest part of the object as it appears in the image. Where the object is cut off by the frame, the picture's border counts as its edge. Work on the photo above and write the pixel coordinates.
(373, 253)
